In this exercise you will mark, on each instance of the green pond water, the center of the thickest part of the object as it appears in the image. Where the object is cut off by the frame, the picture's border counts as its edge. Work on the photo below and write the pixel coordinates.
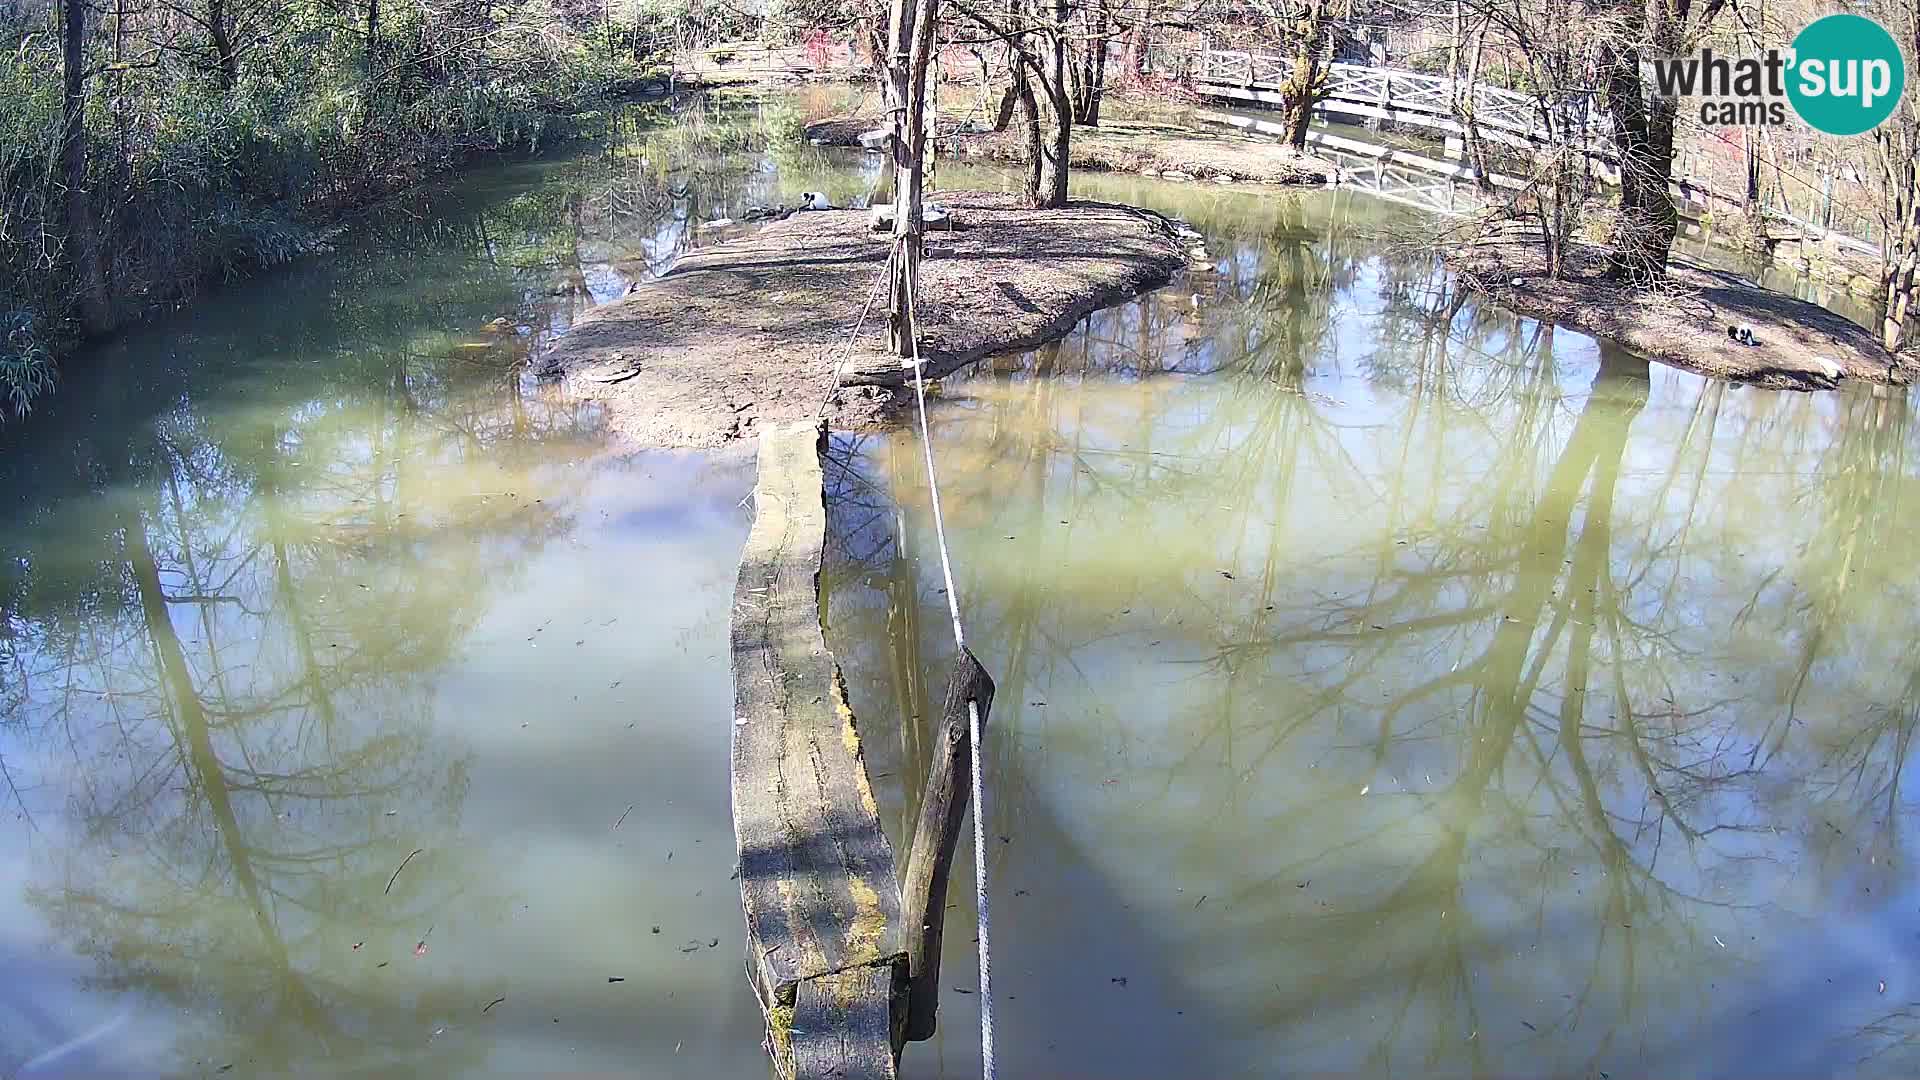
(1387, 685)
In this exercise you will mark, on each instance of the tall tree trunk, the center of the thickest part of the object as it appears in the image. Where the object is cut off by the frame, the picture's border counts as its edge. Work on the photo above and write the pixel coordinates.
(373, 47)
(1647, 222)
(1077, 64)
(1036, 144)
(986, 83)
(1139, 44)
(1302, 88)
(82, 247)
(1753, 211)
(1901, 266)
(911, 31)
(1898, 143)
(1093, 66)
(1643, 129)
(1059, 154)
(226, 61)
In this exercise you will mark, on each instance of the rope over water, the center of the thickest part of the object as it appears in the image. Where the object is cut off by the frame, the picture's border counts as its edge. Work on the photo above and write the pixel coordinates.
(987, 1066)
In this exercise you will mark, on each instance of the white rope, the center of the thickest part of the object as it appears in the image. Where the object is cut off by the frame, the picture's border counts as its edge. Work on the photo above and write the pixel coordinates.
(987, 1066)
(846, 347)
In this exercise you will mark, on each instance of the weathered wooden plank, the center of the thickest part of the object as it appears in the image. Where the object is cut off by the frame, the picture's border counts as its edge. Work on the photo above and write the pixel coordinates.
(943, 807)
(816, 871)
(842, 1026)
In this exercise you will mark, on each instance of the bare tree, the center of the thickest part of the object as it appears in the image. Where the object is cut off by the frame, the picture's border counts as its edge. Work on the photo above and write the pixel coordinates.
(1035, 31)
(1898, 144)
(910, 37)
(1643, 126)
(1310, 41)
(1560, 44)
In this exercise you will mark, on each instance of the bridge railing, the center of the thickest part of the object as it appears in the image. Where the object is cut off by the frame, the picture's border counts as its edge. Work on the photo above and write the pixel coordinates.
(1391, 93)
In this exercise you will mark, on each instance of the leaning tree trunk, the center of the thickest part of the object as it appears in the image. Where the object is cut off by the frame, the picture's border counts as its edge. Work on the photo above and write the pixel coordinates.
(1017, 85)
(82, 247)
(1465, 89)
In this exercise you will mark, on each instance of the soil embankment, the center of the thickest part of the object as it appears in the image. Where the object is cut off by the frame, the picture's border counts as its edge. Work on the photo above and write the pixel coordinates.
(759, 329)
(1797, 345)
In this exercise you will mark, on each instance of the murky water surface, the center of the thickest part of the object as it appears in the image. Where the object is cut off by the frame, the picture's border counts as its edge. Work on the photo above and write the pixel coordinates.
(359, 713)
(1387, 686)
(1390, 686)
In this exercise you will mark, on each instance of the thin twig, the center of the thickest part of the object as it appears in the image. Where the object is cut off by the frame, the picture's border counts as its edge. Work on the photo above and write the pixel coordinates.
(623, 816)
(397, 869)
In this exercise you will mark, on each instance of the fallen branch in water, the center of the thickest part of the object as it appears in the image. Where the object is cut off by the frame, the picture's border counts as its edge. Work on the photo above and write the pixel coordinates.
(396, 871)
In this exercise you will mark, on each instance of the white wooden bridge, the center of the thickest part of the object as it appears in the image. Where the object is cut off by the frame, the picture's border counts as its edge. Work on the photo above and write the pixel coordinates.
(1410, 97)
(1438, 104)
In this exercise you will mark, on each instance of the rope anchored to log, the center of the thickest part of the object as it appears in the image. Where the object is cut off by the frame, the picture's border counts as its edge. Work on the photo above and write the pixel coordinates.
(958, 741)
(988, 1068)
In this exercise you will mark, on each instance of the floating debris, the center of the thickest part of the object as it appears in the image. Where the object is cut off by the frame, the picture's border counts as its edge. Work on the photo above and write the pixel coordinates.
(397, 869)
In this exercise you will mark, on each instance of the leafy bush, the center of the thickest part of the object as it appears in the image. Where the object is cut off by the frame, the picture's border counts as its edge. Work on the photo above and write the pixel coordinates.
(192, 174)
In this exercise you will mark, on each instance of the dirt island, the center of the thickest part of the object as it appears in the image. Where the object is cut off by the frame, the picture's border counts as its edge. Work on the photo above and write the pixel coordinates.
(1684, 320)
(759, 328)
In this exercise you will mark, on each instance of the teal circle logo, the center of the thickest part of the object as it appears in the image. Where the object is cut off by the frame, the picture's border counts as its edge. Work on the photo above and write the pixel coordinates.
(1846, 75)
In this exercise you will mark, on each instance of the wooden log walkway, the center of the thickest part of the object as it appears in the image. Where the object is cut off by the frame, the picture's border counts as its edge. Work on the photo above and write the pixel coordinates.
(844, 959)
(827, 954)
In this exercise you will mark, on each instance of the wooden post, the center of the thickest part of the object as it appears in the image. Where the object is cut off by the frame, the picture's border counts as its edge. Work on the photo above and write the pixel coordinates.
(942, 808)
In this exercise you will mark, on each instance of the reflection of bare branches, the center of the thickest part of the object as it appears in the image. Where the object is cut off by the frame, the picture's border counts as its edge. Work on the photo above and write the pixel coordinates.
(1493, 600)
(222, 676)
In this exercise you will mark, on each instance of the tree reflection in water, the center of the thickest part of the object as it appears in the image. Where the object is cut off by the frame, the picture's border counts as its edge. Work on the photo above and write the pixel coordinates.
(1515, 709)
(266, 597)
